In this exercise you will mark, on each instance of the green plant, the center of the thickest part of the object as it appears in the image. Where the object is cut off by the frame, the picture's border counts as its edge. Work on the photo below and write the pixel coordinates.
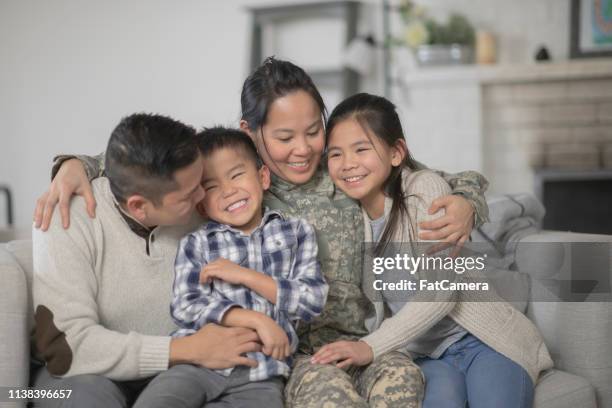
(420, 29)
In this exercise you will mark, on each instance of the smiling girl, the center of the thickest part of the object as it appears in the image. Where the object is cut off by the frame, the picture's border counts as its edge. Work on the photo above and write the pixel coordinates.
(284, 114)
(485, 354)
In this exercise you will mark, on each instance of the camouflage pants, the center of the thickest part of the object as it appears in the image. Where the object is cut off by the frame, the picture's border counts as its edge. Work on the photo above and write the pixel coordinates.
(392, 380)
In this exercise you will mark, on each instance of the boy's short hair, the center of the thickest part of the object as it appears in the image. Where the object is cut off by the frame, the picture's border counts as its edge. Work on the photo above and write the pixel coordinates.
(215, 138)
(143, 154)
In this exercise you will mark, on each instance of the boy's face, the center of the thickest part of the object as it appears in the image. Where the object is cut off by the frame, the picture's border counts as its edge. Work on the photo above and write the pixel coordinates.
(234, 188)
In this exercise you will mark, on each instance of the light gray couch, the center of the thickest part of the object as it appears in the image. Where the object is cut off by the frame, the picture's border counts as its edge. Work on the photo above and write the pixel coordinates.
(578, 335)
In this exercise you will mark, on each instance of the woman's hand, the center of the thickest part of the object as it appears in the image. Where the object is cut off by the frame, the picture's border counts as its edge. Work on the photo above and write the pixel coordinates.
(344, 354)
(453, 228)
(70, 179)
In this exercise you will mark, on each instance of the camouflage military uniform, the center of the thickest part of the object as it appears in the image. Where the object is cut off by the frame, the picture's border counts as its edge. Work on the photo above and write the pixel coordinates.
(391, 380)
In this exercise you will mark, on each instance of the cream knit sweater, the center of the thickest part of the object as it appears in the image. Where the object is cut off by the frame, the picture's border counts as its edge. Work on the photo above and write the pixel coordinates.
(497, 324)
(102, 303)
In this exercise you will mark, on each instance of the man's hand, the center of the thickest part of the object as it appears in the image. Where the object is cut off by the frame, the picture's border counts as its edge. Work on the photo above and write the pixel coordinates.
(70, 179)
(216, 347)
(453, 228)
(274, 339)
(224, 270)
(344, 354)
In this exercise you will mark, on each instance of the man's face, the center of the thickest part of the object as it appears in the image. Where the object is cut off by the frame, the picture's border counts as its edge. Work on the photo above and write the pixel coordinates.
(177, 206)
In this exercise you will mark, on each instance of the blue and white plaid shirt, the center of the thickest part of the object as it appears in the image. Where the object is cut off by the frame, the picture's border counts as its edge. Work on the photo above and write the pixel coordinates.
(283, 248)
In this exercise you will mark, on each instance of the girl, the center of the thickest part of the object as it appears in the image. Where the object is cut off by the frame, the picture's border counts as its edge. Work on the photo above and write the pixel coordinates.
(284, 114)
(483, 353)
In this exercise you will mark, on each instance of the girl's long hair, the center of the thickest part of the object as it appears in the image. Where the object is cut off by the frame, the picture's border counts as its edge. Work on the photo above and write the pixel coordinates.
(378, 116)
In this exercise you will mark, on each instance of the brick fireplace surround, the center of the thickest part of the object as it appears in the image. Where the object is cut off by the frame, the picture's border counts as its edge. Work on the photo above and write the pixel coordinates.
(522, 126)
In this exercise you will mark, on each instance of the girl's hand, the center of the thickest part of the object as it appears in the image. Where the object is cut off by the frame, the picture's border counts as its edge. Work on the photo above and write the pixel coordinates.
(344, 354)
(453, 228)
(70, 180)
(224, 270)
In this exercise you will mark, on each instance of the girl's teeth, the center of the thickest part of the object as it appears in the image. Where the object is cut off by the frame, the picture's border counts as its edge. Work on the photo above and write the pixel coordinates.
(236, 205)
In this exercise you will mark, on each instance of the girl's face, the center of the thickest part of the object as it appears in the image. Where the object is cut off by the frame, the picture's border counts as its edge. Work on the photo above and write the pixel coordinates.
(359, 164)
(292, 140)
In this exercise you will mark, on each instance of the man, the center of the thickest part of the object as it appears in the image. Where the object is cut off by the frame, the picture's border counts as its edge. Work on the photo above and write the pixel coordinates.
(102, 287)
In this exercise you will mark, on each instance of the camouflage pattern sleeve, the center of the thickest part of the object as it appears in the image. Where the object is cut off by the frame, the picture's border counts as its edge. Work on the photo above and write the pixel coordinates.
(471, 185)
(94, 165)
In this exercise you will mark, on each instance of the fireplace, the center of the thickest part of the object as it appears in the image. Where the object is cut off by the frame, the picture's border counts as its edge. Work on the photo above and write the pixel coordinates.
(576, 200)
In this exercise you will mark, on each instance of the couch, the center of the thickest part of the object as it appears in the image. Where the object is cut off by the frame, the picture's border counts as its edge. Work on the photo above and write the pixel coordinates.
(578, 335)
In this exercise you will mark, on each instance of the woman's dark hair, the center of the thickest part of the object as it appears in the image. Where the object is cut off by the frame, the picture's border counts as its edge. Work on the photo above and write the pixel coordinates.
(274, 79)
(378, 115)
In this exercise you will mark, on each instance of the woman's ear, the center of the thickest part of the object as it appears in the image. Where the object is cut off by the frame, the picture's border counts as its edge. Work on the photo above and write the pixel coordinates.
(244, 126)
(264, 176)
(399, 152)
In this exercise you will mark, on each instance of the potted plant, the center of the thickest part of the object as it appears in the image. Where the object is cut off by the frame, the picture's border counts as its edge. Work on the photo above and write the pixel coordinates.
(437, 43)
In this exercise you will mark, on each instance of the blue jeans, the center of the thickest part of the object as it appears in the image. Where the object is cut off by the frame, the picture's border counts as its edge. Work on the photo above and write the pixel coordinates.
(470, 372)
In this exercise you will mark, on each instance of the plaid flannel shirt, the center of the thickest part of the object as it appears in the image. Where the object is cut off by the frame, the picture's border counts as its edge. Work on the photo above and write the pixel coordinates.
(283, 248)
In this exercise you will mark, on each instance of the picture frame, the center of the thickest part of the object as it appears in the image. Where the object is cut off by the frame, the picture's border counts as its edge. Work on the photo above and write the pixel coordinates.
(590, 28)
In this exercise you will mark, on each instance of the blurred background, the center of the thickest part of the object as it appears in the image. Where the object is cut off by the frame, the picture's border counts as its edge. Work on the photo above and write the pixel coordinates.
(518, 90)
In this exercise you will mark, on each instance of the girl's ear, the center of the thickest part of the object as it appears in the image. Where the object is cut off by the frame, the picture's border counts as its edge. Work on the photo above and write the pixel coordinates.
(399, 152)
(264, 176)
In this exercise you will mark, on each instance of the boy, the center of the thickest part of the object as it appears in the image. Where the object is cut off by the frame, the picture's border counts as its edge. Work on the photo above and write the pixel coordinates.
(247, 267)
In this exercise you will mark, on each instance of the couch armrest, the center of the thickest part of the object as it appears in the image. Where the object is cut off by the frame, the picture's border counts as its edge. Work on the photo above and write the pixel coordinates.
(578, 334)
(14, 340)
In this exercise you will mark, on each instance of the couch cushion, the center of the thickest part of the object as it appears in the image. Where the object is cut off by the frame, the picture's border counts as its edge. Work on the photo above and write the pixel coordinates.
(558, 389)
(14, 307)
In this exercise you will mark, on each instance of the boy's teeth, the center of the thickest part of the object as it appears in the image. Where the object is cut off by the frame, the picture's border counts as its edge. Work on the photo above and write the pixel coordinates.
(299, 164)
(351, 179)
(236, 205)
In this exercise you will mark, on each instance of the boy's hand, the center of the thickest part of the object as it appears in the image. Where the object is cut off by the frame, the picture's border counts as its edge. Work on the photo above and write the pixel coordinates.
(224, 270)
(344, 353)
(274, 339)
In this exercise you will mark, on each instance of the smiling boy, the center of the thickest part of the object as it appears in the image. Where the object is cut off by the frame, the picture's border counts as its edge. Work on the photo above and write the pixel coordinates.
(247, 267)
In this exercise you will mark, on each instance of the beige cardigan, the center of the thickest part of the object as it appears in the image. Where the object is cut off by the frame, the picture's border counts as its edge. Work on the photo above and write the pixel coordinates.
(497, 324)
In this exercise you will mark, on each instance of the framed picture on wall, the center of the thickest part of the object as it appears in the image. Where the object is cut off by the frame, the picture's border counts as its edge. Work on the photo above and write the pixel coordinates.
(591, 28)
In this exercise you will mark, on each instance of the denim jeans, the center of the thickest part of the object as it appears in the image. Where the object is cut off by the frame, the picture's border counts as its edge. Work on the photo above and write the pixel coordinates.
(469, 372)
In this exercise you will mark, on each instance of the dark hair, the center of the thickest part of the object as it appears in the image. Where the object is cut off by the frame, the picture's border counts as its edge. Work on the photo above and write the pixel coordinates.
(215, 138)
(143, 154)
(378, 115)
(274, 79)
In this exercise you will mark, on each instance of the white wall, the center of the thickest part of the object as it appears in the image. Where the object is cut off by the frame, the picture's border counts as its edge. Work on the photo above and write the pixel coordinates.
(69, 69)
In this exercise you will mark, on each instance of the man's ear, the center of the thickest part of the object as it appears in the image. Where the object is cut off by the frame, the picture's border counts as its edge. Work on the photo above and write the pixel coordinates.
(399, 152)
(264, 176)
(136, 206)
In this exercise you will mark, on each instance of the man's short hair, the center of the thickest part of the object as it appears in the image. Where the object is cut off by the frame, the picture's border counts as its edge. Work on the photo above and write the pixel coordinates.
(143, 154)
(216, 138)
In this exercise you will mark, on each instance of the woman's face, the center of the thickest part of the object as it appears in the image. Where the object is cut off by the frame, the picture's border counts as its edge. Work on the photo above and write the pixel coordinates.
(292, 140)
